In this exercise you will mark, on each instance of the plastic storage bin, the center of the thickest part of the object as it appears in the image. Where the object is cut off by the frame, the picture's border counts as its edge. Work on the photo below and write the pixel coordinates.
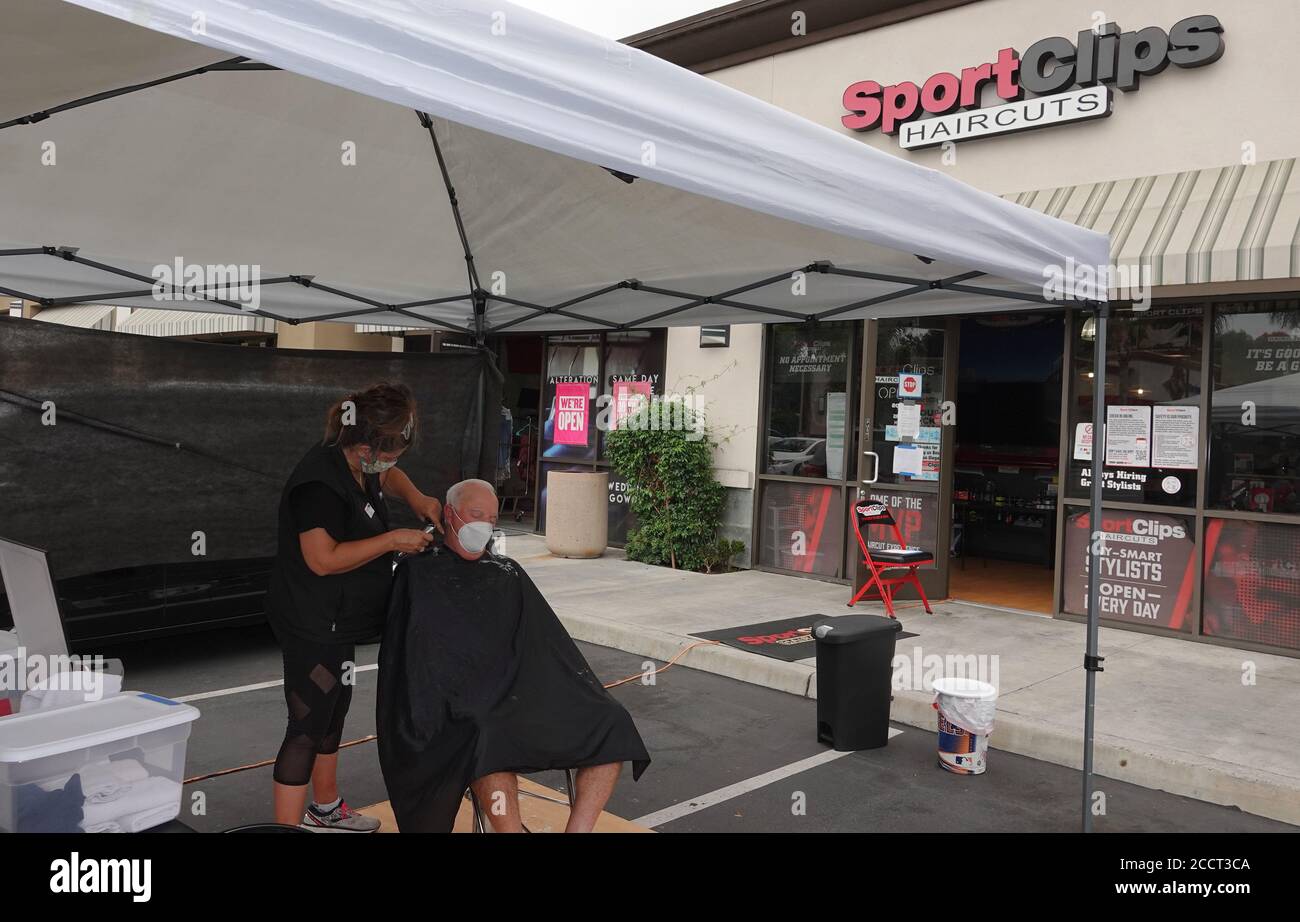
(10, 697)
(114, 765)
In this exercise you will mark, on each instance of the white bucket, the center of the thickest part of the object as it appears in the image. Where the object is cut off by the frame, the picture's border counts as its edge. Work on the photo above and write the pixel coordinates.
(966, 708)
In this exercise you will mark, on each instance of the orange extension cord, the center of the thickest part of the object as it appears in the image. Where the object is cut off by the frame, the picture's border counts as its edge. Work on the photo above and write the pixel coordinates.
(371, 738)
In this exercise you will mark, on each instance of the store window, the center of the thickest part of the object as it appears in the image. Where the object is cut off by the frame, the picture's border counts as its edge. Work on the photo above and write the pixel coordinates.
(634, 365)
(802, 527)
(906, 424)
(808, 399)
(1152, 448)
(1255, 420)
(1252, 582)
(586, 374)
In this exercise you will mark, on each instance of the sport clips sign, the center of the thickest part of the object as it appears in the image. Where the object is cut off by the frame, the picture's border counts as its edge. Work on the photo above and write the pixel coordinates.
(1070, 82)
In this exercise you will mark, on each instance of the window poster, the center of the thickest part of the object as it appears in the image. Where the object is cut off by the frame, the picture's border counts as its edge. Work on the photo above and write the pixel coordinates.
(1146, 568)
(836, 422)
(1128, 436)
(571, 413)
(1175, 436)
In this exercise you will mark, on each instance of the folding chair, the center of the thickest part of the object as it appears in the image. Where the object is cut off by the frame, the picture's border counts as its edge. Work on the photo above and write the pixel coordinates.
(866, 513)
(483, 824)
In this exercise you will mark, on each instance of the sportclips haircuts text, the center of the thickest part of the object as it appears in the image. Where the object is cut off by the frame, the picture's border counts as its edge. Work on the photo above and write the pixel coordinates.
(1071, 81)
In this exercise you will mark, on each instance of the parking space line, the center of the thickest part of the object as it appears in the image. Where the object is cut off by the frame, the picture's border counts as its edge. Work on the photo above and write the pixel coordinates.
(256, 686)
(731, 791)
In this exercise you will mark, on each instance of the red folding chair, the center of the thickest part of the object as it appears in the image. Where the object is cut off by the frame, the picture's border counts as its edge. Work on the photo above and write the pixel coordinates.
(869, 512)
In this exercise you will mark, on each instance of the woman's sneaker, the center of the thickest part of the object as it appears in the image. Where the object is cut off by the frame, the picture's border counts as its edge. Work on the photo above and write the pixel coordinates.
(341, 819)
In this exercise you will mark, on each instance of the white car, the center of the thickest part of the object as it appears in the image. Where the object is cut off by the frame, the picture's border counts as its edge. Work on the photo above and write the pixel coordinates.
(788, 455)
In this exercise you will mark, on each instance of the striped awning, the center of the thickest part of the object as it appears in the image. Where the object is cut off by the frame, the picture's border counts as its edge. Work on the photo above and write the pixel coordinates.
(155, 322)
(1225, 224)
(385, 328)
(86, 316)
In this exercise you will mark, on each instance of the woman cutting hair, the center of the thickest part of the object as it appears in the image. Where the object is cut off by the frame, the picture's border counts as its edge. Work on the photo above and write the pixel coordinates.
(330, 583)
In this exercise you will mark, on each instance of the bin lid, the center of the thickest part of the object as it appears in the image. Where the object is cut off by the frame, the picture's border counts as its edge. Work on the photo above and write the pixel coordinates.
(36, 735)
(957, 687)
(851, 628)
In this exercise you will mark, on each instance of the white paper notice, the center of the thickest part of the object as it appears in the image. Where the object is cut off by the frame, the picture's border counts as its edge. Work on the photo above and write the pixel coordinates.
(1083, 442)
(1175, 435)
(909, 421)
(836, 414)
(907, 460)
(1128, 436)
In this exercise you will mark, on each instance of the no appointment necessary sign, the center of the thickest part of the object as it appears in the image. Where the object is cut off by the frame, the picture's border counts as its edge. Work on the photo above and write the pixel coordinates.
(1071, 81)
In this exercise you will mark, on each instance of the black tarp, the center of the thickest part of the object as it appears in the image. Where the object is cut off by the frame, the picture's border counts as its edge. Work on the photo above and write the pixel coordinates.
(105, 487)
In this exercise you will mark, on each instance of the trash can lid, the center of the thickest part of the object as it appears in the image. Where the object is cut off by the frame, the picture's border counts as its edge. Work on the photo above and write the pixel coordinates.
(850, 628)
(960, 687)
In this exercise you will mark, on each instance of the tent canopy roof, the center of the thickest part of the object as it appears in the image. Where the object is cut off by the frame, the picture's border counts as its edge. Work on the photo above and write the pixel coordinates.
(320, 147)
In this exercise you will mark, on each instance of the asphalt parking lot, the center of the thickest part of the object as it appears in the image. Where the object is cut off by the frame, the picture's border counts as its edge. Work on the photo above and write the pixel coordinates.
(728, 756)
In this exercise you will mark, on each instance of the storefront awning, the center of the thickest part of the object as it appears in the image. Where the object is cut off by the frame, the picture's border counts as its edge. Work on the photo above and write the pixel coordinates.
(1227, 224)
(463, 165)
(86, 316)
(385, 328)
(153, 322)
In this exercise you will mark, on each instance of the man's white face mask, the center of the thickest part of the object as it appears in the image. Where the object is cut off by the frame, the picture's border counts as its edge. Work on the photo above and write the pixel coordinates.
(473, 536)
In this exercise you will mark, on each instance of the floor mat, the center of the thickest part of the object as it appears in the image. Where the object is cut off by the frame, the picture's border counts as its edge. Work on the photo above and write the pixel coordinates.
(788, 639)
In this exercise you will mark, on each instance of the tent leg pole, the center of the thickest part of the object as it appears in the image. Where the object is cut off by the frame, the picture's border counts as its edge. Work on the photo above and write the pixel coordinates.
(1091, 662)
(479, 297)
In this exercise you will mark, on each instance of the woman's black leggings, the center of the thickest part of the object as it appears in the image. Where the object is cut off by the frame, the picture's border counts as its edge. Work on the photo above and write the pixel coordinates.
(318, 700)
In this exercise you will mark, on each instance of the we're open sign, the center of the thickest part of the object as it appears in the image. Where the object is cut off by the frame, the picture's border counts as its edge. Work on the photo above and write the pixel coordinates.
(571, 413)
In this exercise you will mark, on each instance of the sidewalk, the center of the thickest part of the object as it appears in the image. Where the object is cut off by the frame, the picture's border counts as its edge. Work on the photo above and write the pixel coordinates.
(1171, 714)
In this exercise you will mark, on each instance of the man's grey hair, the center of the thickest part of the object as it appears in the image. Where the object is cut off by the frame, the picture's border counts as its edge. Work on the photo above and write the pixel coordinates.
(455, 491)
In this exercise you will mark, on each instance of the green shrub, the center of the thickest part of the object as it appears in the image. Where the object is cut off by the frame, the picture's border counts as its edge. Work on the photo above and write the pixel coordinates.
(677, 502)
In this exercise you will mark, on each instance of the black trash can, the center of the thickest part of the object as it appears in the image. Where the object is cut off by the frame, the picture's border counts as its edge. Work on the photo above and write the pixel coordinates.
(855, 657)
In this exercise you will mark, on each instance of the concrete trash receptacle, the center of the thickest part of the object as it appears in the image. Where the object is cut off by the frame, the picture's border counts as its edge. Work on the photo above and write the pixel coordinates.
(577, 513)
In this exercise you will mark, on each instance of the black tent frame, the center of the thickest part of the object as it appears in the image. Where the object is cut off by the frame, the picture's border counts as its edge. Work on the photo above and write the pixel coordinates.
(480, 298)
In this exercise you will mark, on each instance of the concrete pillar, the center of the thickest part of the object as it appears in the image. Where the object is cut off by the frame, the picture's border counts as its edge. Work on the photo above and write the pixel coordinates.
(329, 335)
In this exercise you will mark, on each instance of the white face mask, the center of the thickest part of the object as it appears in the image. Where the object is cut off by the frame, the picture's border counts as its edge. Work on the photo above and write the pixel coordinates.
(473, 536)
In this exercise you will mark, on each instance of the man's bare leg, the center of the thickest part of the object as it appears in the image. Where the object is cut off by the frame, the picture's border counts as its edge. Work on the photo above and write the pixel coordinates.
(498, 795)
(593, 786)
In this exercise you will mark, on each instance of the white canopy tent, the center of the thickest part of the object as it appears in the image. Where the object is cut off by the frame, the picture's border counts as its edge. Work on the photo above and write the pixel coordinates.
(467, 165)
(236, 165)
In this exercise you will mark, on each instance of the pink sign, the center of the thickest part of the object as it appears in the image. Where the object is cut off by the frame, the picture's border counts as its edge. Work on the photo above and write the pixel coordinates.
(628, 398)
(570, 416)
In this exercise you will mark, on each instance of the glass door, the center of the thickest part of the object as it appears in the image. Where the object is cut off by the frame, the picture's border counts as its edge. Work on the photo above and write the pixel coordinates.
(906, 439)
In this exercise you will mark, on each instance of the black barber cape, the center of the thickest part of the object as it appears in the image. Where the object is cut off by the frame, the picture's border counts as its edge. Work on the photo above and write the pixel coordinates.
(477, 675)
